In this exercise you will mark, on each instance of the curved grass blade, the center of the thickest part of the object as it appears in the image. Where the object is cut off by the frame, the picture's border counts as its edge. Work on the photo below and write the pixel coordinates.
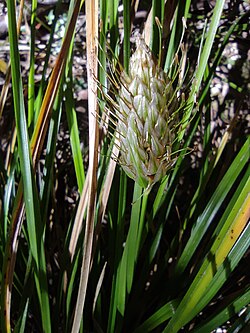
(119, 232)
(212, 207)
(43, 83)
(44, 116)
(202, 63)
(73, 130)
(30, 192)
(159, 317)
(31, 79)
(36, 142)
(126, 42)
(216, 258)
(20, 326)
(175, 38)
(224, 315)
(5, 88)
(46, 182)
(169, 309)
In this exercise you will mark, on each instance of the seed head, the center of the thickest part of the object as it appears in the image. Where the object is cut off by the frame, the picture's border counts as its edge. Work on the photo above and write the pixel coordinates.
(147, 119)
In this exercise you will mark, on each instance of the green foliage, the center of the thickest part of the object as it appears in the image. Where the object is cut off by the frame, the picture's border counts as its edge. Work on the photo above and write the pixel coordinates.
(169, 260)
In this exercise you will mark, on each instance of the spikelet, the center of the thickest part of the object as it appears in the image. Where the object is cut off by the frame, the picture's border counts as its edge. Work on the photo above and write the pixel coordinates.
(146, 119)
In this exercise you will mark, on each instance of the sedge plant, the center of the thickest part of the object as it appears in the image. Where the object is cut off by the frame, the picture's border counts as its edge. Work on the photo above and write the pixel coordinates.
(151, 243)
